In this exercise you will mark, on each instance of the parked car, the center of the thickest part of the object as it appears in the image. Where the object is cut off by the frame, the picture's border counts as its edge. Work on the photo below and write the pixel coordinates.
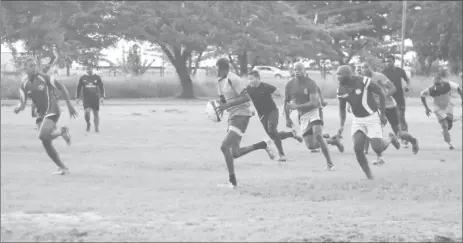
(269, 72)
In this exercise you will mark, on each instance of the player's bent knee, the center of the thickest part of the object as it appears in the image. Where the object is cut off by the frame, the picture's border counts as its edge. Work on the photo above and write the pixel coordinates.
(377, 144)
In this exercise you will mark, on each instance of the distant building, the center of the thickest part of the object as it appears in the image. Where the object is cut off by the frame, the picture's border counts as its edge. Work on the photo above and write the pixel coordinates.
(7, 63)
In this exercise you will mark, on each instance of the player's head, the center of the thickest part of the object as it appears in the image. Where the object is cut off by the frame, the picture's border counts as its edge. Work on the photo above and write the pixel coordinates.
(441, 75)
(344, 74)
(223, 67)
(366, 69)
(254, 78)
(299, 69)
(390, 61)
(31, 67)
(89, 70)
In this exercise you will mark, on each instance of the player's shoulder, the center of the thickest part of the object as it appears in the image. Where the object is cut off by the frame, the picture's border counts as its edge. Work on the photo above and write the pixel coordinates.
(44, 77)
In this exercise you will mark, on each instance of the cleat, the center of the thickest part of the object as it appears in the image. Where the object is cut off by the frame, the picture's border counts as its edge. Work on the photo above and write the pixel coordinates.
(317, 150)
(380, 161)
(330, 167)
(297, 137)
(326, 135)
(227, 185)
(336, 141)
(395, 142)
(270, 150)
(415, 147)
(282, 158)
(66, 135)
(451, 147)
(405, 143)
(61, 172)
(88, 127)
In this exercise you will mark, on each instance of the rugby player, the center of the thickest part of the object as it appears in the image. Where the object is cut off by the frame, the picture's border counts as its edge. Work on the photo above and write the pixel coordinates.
(302, 94)
(235, 100)
(391, 108)
(441, 92)
(367, 123)
(42, 90)
(395, 75)
(91, 86)
(261, 95)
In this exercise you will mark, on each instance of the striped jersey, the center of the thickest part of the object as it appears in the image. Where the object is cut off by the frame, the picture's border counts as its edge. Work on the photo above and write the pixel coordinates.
(42, 91)
(231, 87)
(359, 97)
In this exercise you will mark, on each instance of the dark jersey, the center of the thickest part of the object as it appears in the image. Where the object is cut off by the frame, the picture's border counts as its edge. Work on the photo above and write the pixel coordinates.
(261, 96)
(396, 74)
(42, 91)
(91, 86)
(359, 97)
(298, 91)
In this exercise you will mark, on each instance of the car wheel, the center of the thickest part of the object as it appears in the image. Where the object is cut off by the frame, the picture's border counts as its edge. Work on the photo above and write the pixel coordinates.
(278, 76)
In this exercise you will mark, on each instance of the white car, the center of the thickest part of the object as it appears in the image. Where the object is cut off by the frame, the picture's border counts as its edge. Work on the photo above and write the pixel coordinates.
(269, 72)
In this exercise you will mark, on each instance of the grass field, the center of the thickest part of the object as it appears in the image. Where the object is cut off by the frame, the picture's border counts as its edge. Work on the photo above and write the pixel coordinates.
(151, 175)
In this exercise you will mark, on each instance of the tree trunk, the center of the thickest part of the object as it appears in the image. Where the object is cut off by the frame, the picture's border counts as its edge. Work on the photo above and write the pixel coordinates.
(243, 62)
(179, 61)
(198, 60)
(232, 62)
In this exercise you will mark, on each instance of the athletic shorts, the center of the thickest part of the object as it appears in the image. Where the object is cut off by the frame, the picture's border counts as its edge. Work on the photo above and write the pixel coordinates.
(93, 104)
(53, 116)
(392, 115)
(305, 122)
(238, 124)
(369, 125)
(270, 121)
(442, 114)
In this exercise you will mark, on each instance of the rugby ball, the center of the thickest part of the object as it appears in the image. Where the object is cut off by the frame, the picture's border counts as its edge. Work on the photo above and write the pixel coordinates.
(211, 111)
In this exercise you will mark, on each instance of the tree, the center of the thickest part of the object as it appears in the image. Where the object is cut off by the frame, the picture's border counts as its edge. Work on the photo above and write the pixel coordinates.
(179, 28)
(50, 29)
(355, 26)
(436, 30)
(264, 32)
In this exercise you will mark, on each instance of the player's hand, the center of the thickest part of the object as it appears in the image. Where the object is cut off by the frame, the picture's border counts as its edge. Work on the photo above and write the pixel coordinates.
(77, 101)
(383, 120)
(18, 109)
(324, 103)
(102, 100)
(407, 88)
(219, 109)
(428, 112)
(349, 109)
(289, 123)
(340, 131)
(291, 106)
(72, 111)
(34, 113)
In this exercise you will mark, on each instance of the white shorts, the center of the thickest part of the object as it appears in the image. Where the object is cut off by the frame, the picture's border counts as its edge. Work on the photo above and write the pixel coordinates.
(304, 124)
(441, 114)
(369, 125)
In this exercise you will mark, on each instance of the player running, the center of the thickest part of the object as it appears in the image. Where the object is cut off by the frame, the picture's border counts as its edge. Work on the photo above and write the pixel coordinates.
(91, 86)
(261, 95)
(42, 90)
(301, 94)
(391, 108)
(367, 123)
(441, 92)
(395, 75)
(235, 100)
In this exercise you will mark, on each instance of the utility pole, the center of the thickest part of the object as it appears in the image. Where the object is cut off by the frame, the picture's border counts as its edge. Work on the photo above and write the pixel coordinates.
(404, 23)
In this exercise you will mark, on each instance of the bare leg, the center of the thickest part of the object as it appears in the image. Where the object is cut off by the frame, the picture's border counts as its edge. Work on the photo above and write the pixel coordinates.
(359, 145)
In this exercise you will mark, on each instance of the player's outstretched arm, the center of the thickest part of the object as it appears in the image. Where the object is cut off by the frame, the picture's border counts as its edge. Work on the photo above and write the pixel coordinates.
(424, 94)
(79, 88)
(22, 99)
(286, 101)
(322, 100)
(390, 87)
(101, 87)
(456, 88)
(64, 91)
(375, 88)
(342, 114)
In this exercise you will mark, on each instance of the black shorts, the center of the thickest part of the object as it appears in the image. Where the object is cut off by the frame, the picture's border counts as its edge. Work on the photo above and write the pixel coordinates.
(54, 118)
(392, 115)
(93, 104)
(270, 121)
